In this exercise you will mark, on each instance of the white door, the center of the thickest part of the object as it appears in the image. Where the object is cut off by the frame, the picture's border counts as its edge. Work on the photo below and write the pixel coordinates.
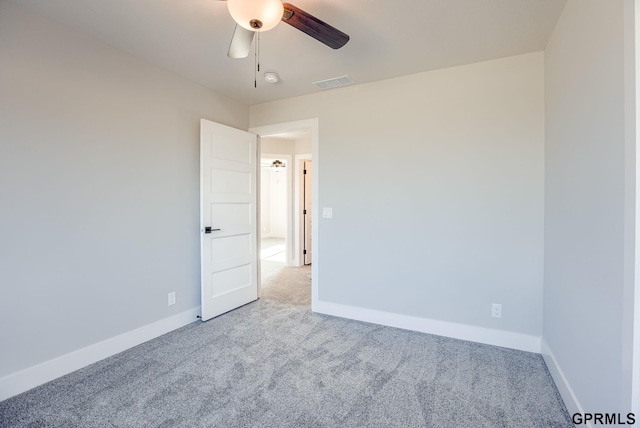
(228, 219)
(307, 212)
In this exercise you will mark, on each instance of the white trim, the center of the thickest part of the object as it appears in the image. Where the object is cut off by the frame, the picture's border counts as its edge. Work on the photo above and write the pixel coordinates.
(566, 392)
(279, 128)
(258, 218)
(506, 339)
(632, 12)
(631, 297)
(31, 377)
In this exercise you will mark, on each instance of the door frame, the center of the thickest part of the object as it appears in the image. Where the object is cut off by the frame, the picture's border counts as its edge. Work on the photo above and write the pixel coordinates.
(298, 258)
(311, 125)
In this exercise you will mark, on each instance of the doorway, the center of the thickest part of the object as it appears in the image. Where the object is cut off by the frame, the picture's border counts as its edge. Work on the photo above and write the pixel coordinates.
(299, 141)
(275, 211)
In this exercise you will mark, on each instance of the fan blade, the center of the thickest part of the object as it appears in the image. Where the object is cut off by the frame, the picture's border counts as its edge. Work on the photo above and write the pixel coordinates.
(240, 43)
(314, 27)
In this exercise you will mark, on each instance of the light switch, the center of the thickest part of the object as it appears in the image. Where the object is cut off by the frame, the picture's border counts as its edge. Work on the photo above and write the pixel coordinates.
(327, 212)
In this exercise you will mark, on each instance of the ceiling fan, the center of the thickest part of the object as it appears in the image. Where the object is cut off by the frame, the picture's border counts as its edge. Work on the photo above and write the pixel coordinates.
(262, 15)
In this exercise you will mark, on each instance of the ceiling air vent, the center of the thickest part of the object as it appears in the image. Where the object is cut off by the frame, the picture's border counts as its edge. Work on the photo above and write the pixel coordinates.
(334, 83)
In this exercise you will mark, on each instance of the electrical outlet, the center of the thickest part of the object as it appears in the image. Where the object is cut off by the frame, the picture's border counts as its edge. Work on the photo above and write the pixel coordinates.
(496, 310)
(327, 212)
(171, 298)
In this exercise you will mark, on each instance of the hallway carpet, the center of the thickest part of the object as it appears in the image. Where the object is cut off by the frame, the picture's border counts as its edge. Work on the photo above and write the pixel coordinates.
(274, 363)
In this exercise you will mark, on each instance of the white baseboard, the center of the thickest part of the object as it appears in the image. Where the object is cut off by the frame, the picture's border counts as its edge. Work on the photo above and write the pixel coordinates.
(566, 392)
(31, 377)
(487, 336)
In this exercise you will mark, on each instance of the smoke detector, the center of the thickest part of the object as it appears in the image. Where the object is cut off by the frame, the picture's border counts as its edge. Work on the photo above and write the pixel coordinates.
(271, 77)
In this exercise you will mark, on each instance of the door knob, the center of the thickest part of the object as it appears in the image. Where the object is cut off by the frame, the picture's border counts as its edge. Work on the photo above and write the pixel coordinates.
(208, 229)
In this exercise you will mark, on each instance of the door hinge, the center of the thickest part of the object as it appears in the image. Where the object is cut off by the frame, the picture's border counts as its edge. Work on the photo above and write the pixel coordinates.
(304, 211)
(304, 252)
(304, 171)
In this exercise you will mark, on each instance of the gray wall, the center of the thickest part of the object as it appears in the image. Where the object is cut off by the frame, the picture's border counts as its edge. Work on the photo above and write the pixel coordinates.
(99, 189)
(436, 185)
(585, 233)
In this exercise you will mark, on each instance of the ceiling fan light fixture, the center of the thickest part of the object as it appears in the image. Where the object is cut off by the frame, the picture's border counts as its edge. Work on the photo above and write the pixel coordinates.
(256, 15)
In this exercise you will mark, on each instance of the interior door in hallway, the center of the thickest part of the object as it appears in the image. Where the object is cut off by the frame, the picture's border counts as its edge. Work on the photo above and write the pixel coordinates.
(228, 199)
(307, 212)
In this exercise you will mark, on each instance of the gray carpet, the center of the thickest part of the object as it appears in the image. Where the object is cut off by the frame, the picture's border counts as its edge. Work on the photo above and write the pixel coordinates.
(273, 363)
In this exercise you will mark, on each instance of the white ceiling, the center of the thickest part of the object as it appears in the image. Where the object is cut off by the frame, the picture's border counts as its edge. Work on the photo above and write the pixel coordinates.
(388, 38)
